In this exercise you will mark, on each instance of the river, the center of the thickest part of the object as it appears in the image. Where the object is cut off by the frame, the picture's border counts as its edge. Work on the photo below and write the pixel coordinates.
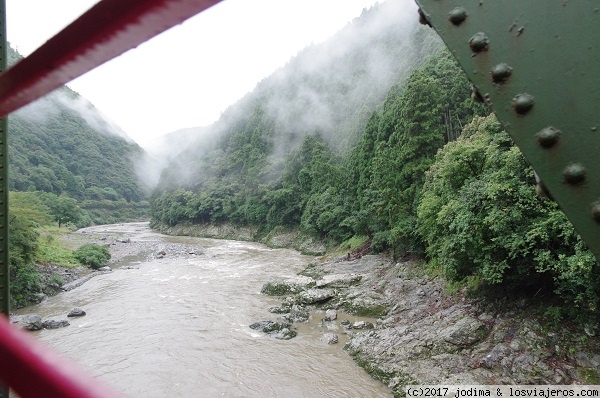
(179, 326)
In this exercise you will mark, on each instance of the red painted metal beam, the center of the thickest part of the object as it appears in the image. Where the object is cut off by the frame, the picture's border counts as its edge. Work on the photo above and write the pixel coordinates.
(33, 370)
(105, 31)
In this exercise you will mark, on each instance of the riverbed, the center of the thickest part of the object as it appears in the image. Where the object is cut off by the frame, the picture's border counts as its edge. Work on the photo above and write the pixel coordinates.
(178, 326)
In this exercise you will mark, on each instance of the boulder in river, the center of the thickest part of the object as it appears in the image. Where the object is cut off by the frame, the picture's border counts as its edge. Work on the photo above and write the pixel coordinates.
(76, 312)
(279, 330)
(290, 286)
(105, 269)
(28, 322)
(55, 324)
(330, 315)
(330, 338)
(297, 313)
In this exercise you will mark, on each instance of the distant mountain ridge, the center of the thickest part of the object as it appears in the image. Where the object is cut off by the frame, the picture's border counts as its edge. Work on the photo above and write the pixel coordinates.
(62, 144)
(331, 89)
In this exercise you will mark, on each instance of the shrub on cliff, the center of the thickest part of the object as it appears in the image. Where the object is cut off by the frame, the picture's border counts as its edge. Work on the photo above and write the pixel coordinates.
(480, 216)
(92, 255)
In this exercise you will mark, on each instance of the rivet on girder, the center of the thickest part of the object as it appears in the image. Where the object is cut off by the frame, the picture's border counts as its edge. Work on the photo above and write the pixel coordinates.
(457, 16)
(596, 212)
(548, 137)
(501, 72)
(479, 42)
(522, 103)
(574, 174)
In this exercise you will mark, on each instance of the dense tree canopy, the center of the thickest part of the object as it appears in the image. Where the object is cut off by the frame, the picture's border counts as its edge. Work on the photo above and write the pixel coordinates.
(61, 144)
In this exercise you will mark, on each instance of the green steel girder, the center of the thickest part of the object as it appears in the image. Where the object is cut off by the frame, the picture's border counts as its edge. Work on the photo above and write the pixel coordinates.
(537, 65)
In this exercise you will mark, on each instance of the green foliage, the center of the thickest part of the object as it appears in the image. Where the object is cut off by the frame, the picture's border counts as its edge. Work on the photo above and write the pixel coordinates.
(62, 145)
(25, 281)
(479, 215)
(399, 145)
(92, 255)
(65, 210)
(355, 242)
(25, 284)
(51, 251)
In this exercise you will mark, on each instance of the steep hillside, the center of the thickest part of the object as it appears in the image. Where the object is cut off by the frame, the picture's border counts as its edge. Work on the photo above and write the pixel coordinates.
(62, 144)
(330, 89)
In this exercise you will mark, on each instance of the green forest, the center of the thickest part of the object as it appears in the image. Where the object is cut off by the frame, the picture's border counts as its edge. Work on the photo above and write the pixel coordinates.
(427, 172)
(68, 167)
(370, 141)
(60, 144)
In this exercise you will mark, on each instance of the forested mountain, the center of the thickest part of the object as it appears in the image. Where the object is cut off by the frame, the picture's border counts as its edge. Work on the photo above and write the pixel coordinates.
(321, 99)
(61, 144)
(342, 147)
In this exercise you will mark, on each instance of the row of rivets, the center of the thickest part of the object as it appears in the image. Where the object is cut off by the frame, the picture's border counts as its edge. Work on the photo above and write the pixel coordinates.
(574, 174)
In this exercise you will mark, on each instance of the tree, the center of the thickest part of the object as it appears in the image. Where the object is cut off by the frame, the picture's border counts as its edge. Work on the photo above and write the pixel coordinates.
(64, 209)
(480, 217)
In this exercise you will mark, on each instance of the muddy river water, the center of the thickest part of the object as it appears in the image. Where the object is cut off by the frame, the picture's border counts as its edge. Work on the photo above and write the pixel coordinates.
(178, 326)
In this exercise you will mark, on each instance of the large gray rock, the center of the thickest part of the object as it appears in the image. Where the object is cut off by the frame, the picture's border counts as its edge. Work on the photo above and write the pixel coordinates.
(330, 338)
(76, 312)
(313, 296)
(297, 313)
(330, 315)
(28, 322)
(338, 280)
(55, 324)
(279, 330)
(290, 286)
(465, 332)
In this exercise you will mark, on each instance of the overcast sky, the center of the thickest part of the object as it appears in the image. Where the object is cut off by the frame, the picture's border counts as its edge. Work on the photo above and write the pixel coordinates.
(187, 76)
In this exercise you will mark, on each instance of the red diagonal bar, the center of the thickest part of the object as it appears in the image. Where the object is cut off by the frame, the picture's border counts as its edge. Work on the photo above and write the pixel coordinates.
(105, 31)
(33, 370)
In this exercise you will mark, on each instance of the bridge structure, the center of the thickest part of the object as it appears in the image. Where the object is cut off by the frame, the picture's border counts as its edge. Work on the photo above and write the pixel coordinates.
(534, 63)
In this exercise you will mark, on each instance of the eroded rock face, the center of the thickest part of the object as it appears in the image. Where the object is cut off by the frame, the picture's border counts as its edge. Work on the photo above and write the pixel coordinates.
(285, 287)
(465, 332)
(313, 296)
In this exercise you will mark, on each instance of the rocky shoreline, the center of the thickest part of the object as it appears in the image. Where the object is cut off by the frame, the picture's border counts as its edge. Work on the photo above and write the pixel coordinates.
(414, 331)
(423, 335)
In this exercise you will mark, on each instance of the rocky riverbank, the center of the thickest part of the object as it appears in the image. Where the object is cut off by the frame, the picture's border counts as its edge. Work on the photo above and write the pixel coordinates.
(413, 330)
(423, 335)
(56, 279)
(277, 238)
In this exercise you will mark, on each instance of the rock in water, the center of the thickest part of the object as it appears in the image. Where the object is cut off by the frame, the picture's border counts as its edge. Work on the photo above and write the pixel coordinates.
(330, 338)
(279, 330)
(330, 315)
(28, 322)
(76, 312)
(54, 324)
